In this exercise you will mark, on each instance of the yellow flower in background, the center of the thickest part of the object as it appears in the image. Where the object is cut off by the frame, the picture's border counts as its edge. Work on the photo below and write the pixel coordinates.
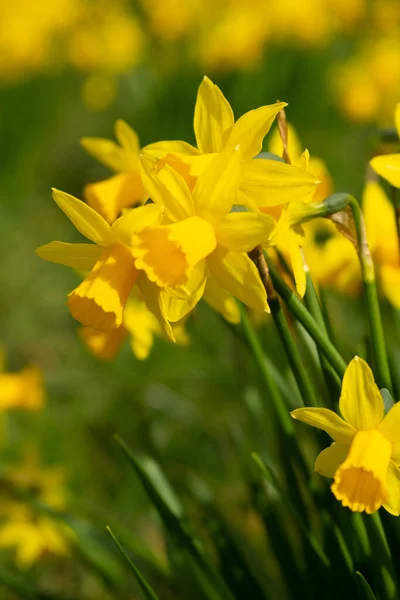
(125, 189)
(302, 159)
(139, 324)
(333, 263)
(285, 237)
(263, 181)
(380, 222)
(31, 533)
(33, 536)
(388, 165)
(22, 390)
(204, 239)
(364, 460)
(100, 299)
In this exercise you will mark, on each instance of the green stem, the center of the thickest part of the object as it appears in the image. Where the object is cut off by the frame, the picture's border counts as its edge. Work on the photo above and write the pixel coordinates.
(312, 303)
(298, 309)
(371, 298)
(271, 388)
(302, 379)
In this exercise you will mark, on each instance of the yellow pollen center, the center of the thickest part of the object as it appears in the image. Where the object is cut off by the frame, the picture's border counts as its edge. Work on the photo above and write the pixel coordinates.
(360, 481)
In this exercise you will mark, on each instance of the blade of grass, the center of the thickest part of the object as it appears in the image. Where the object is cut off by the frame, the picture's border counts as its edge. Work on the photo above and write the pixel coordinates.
(171, 513)
(363, 588)
(148, 592)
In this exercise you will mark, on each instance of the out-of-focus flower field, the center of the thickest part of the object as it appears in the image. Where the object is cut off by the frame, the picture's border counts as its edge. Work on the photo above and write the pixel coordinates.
(187, 367)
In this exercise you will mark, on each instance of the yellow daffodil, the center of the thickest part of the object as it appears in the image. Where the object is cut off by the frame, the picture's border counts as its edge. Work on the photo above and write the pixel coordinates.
(110, 196)
(100, 299)
(33, 536)
(380, 222)
(302, 159)
(333, 263)
(140, 324)
(288, 239)
(203, 237)
(22, 390)
(364, 460)
(31, 533)
(388, 165)
(264, 181)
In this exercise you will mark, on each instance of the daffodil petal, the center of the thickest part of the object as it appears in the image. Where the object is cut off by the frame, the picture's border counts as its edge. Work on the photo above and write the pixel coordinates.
(136, 219)
(360, 403)
(390, 426)
(76, 256)
(128, 138)
(86, 220)
(270, 183)
(243, 231)
(109, 196)
(176, 306)
(221, 301)
(393, 489)
(396, 453)
(388, 167)
(380, 222)
(389, 277)
(296, 258)
(249, 131)
(106, 152)
(237, 274)
(166, 187)
(397, 118)
(330, 459)
(216, 189)
(213, 117)
(328, 421)
(159, 150)
(151, 295)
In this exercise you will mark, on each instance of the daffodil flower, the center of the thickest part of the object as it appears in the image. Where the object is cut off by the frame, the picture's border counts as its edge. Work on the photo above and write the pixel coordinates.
(380, 223)
(388, 165)
(125, 189)
(139, 324)
(100, 299)
(203, 238)
(264, 181)
(364, 459)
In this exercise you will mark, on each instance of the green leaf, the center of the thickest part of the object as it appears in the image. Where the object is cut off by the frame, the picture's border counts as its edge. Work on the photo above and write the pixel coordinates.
(363, 587)
(148, 592)
(171, 513)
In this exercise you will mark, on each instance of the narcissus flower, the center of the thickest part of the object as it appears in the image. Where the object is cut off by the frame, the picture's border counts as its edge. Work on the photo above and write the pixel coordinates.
(22, 390)
(388, 165)
(100, 299)
(139, 324)
(364, 460)
(263, 181)
(23, 527)
(203, 238)
(380, 223)
(125, 189)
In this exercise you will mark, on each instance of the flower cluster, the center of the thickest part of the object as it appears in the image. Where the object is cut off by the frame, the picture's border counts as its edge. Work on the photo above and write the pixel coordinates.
(197, 212)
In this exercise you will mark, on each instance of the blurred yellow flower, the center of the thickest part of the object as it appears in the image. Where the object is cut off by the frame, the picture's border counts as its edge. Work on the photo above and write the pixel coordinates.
(100, 299)
(383, 239)
(364, 460)
(31, 533)
(388, 165)
(22, 390)
(110, 196)
(203, 238)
